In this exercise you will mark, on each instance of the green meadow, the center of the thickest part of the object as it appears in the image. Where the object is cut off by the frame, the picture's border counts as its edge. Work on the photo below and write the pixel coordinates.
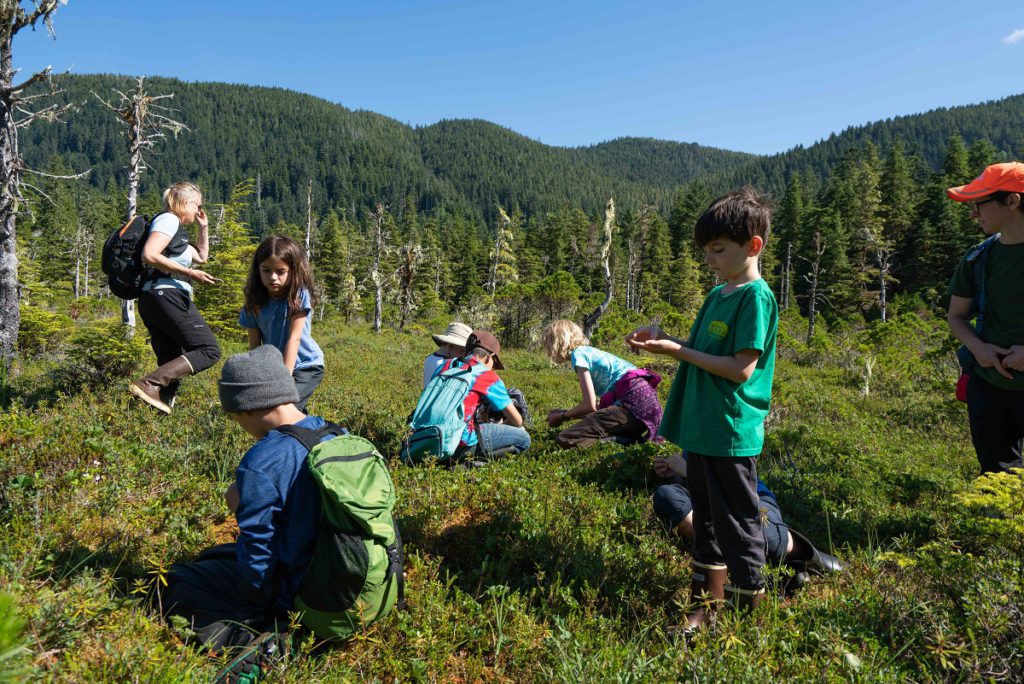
(547, 566)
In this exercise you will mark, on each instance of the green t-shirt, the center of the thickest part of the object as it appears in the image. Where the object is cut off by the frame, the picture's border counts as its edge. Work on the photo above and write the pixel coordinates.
(1004, 304)
(706, 413)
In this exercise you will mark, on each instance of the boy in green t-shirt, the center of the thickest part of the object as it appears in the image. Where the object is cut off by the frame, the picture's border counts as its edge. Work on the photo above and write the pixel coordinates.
(719, 400)
(995, 389)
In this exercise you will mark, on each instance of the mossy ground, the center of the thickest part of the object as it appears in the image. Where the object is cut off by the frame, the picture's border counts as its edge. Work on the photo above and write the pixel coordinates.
(548, 566)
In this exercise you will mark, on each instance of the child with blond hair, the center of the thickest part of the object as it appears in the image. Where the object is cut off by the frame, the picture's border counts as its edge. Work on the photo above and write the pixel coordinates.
(620, 401)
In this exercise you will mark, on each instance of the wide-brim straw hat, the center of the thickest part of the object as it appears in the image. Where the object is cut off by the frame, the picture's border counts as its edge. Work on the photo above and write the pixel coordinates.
(455, 333)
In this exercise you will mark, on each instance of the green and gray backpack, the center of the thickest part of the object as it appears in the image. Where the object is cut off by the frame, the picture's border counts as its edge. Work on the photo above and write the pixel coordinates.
(355, 577)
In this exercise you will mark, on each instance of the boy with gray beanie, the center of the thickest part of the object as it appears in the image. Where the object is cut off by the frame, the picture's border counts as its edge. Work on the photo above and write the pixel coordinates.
(233, 592)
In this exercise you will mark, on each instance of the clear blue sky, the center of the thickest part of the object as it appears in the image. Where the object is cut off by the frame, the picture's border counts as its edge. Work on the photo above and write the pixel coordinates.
(751, 76)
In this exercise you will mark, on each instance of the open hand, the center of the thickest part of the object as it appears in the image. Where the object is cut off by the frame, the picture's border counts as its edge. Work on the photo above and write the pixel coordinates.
(202, 276)
(642, 335)
(669, 347)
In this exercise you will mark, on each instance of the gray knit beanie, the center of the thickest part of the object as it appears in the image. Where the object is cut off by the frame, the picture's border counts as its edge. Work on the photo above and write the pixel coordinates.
(256, 380)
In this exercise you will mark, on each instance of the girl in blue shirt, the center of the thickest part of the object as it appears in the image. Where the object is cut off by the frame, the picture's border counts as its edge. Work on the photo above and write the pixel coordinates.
(278, 307)
(619, 400)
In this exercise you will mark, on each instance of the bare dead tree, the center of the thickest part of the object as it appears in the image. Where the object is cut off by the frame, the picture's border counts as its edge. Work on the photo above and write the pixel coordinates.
(309, 219)
(380, 243)
(82, 248)
(411, 255)
(18, 109)
(146, 124)
(503, 259)
(882, 250)
(813, 279)
(590, 322)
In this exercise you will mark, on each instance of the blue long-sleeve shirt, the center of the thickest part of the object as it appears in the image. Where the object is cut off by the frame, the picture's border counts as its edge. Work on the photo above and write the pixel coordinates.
(278, 513)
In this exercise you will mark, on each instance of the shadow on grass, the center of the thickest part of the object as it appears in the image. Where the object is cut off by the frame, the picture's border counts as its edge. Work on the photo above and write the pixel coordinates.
(624, 469)
(492, 548)
(122, 560)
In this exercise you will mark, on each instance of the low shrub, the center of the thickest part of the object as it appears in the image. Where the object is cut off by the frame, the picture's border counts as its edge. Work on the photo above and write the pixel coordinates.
(99, 355)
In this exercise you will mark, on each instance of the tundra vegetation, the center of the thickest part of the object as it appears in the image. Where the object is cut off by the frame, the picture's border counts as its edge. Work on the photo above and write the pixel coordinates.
(549, 566)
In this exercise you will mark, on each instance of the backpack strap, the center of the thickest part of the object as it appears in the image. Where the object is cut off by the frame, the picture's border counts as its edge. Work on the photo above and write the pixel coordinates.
(978, 256)
(309, 437)
(396, 568)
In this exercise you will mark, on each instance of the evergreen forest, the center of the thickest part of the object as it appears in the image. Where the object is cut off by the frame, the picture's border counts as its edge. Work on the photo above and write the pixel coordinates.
(550, 565)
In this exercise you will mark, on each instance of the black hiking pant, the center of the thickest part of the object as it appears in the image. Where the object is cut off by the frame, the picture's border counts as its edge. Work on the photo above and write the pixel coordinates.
(726, 516)
(176, 328)
(997, 424)
(207, 593)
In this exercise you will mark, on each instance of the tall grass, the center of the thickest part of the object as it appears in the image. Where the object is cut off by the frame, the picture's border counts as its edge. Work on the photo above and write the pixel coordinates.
(549, 566)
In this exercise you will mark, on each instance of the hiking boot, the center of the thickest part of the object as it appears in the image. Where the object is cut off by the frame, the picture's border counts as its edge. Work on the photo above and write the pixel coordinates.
(795, 583)
(472, 464)
(255, 658)
(707, 591)
(744, 600)
(809, 559)
(169, 393)
(153, 387)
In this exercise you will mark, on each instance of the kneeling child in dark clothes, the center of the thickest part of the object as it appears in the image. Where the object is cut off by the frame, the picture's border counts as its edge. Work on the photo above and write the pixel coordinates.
(233, 592)
(783, 545)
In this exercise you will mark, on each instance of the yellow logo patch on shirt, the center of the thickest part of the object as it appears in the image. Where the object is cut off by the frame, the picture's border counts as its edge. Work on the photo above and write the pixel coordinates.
(718, 329)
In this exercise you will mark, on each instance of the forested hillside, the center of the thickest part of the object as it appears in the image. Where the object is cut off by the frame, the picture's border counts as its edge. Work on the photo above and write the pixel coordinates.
(862, 218)
(357, 158)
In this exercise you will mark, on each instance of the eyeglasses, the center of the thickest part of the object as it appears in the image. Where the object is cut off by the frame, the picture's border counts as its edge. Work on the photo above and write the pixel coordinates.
(974, 205)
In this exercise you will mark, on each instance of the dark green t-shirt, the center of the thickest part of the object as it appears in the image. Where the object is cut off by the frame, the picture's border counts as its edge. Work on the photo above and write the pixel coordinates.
(706, 413)
(1004, 304)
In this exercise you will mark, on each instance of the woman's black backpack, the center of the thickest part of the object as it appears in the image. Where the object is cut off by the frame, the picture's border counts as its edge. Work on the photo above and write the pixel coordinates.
(122, 258)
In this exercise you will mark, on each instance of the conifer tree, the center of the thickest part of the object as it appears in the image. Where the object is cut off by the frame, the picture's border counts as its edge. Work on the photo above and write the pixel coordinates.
(787, 232)
(690, 202)
(329, 263)
(980, 154)
(231, 253)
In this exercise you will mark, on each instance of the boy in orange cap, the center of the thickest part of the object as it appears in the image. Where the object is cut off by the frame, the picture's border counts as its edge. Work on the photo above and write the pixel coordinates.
(987, 287)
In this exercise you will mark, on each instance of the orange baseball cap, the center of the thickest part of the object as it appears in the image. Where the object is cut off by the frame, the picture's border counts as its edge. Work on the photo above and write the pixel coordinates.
(1008, 177)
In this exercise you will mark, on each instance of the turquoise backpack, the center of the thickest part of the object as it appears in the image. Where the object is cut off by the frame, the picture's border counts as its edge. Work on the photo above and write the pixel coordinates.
(355, 577)
(439, 419)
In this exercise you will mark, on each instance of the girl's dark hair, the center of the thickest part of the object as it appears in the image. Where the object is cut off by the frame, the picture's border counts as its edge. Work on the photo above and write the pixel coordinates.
(299, 274)
(737, 216)
(1001, 195)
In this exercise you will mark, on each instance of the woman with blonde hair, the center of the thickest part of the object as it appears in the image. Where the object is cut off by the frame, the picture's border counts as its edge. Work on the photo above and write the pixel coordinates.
(620, 401)
(180, 337)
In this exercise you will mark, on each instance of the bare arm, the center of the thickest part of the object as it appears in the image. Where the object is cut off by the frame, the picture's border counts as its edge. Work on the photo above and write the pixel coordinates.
(987, 355)
(738, 368)
(255, 338)
(512, 416)
(587, 405)
(647, 333)
(203, 238)
(296, 324)
(152, 254)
